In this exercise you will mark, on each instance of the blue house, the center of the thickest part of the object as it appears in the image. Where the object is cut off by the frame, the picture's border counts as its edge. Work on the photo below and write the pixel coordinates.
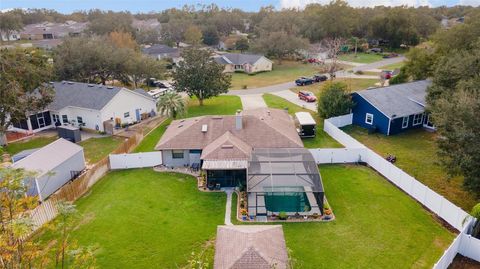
(393, 109)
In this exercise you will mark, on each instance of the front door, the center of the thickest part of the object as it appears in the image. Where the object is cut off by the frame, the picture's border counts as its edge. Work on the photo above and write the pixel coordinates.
(137, 114)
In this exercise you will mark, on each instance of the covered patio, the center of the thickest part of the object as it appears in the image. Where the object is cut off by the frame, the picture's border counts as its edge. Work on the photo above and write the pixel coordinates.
(285, 179)
(225, 173)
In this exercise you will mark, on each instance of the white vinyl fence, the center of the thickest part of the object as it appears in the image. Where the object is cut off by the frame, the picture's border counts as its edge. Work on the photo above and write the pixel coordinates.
(357, 152)
(135, 160)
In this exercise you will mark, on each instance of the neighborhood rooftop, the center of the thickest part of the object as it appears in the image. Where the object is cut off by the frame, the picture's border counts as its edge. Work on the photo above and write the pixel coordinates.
(260, 128)
(250, 247)
(398, 100)
(49, 157)
(91, 96)
(160, 49)
(238, 58)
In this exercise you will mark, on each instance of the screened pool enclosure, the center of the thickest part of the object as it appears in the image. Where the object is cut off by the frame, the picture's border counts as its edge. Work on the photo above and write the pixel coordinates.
(284, 179)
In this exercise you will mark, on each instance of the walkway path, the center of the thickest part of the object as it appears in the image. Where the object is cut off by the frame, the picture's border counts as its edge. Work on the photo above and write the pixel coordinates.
(252, 101)
(228, 209)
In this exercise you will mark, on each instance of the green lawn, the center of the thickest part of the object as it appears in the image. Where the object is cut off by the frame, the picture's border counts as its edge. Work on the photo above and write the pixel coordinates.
(321, 140)
(96, 149)
(361, 57)
(393, 66)
(281, 73)
(220, 105)
(376, 226)
(150, 141)
(416, 153)
(35, 142)
(145, 219)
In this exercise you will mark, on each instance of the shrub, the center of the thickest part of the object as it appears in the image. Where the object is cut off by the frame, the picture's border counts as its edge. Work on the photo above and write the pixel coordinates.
(334, 100)
(283, 215)
(359, 72)
(402, 77)
(244, 86)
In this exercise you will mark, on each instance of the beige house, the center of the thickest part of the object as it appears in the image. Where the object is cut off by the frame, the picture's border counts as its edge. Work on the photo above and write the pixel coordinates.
(248, 63)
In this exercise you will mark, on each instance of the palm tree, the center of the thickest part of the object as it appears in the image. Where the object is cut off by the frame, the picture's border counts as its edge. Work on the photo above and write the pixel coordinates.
(172, 104)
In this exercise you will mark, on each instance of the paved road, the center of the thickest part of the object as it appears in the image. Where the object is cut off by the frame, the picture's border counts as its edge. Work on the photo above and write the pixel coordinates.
(379, 64)
(292, 97)
(252, 101)
(267, 89)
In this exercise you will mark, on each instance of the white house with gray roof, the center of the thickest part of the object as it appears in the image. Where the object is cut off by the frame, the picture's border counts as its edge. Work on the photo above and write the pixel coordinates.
(248, 63)
(90, 106)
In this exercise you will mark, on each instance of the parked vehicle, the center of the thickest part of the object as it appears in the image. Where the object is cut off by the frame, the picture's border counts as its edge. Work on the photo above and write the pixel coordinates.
(320, 78)
(387, 74)
(307, 96)
(304, 81)
(156, 93)
(375, 50)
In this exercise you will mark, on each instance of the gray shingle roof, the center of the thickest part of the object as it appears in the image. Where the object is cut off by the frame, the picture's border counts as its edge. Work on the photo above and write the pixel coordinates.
(83, 95)
(160, 49)
(398, 100)
(238, 58)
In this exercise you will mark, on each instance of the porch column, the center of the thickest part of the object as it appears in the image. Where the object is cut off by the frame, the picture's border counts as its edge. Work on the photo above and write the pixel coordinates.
(29, 124)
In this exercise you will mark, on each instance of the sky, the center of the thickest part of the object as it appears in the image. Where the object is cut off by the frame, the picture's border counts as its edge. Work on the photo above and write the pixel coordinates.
(67, 6)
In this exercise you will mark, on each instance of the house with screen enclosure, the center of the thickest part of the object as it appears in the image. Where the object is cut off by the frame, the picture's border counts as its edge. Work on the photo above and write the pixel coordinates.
(393, 109)
(259, 150)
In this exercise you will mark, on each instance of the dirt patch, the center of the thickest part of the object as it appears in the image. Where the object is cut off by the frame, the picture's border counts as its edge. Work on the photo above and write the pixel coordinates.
(462, 262)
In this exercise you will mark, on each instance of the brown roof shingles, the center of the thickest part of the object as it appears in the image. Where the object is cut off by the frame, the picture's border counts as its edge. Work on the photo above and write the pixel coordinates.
(250, 247)
(262, 128)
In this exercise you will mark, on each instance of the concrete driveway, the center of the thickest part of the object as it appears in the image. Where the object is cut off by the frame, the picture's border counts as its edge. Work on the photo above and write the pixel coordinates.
(252, 101)
(292, 97)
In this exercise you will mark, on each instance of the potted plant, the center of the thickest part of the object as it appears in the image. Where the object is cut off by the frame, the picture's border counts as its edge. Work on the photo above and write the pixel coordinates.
(315, 215)
(273, 216)
(283, 215)
(244, 212)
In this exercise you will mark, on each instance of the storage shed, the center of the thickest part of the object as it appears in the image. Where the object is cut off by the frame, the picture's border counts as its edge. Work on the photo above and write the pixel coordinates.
(306, 125)
(54, 165)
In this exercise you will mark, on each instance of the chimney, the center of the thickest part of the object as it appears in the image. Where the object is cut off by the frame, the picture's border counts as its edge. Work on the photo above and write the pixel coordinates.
(238, 120)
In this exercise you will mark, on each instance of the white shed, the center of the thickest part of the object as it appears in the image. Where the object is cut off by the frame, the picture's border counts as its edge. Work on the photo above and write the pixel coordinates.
(55, 164)
(306, 124)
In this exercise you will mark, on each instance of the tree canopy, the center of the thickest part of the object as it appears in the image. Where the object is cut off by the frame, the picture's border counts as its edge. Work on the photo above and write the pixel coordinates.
(200, 76)
(334, 100)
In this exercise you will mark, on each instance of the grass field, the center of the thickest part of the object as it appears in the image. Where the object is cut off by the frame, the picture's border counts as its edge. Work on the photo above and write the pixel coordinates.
(361, 57)
(148, 143)
(321, 140)
(96, 149)
(393, 66)
(354, 84)
(145, 219)
(376, 226)
(416, 153)
(36, 142)
(220, 105)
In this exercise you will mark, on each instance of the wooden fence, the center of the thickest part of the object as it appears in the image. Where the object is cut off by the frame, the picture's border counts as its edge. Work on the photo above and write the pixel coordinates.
(75, 189)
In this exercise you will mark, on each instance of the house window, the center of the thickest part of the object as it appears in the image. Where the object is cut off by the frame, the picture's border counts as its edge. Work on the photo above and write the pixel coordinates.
(64, 118)
(417, 119)
(126, 114)
(79, 120)
(369, 118)
(177, 154)
(238, 66)
(56, 118)
(405, 122)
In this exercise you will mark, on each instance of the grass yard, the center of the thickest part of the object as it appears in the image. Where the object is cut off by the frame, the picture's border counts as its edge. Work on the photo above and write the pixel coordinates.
(376, 226)
(416, 153)
(361, 57)
(150, 141)
(393, 66)
(220, 105)
(35, 142)
(354, 84)
(145, 219)
(96, 149)
(281, 73)
(321, 140)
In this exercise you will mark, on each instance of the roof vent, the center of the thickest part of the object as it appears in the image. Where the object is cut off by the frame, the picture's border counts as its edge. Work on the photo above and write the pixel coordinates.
(90, 85)
(204, 128)
(227, 146)
(109, 87)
